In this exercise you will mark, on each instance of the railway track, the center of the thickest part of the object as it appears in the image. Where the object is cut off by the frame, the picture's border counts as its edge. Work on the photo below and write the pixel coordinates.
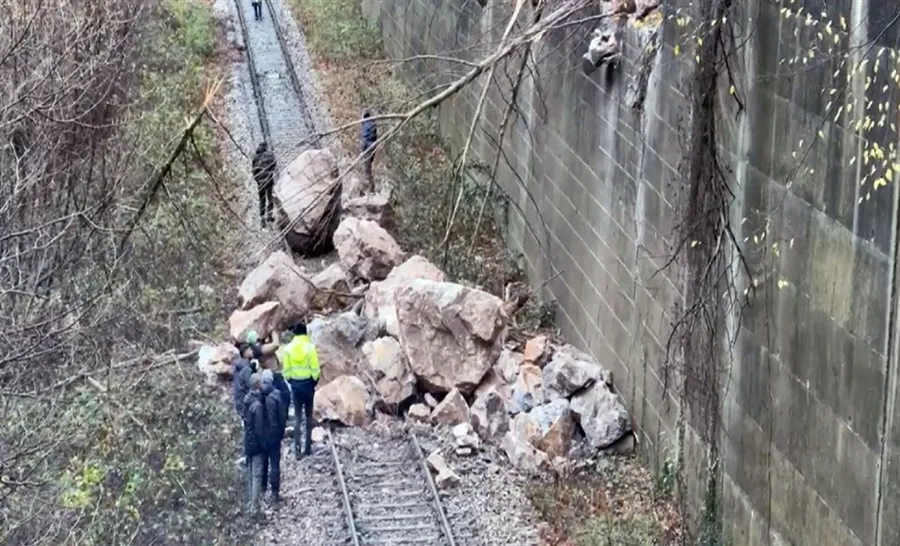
(389, 496)
(285, 120)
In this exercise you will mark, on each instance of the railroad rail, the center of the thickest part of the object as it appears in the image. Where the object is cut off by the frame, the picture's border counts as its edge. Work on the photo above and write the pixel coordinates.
(285, 119)
(391, 500)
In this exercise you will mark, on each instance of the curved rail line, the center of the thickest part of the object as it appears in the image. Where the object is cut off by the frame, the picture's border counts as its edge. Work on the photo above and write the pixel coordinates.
(399, 520)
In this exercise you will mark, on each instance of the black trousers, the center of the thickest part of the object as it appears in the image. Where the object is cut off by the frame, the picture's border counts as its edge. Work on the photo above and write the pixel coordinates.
(271, 471)
(266, 205)
(303, 392)
(257, 10)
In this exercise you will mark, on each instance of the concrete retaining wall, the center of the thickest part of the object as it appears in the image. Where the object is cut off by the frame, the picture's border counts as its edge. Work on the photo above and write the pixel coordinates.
(810, 443)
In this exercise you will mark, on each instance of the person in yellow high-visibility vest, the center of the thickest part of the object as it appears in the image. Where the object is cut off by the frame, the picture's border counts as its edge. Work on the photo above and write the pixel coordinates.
(300, 366)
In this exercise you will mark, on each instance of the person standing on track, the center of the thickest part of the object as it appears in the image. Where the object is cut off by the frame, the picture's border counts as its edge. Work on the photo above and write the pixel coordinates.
(256, 441)
(368, 136)
(264, 168)
(301, 369)
(257, 9)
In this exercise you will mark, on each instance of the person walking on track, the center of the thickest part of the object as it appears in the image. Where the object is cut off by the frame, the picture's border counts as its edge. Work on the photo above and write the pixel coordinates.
(301, 369)
(368, 136)
(264, 168)
(257, 9)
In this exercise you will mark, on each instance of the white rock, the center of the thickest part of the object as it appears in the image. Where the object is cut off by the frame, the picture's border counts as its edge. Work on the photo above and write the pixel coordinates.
(419, 412)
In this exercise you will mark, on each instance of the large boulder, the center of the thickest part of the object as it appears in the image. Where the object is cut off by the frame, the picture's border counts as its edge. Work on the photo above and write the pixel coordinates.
(390, 373)
(374, 207)
(555, 427)
(307, 198)
(337, 342)
(452, 335)
(264, 319)
(601, 415)
(332, 288)
(217, 361)
(366, 249)
(380, 305)
(569, 371)
(529, 389)
(452, 410)
(278, 279)
(344, 400)
(489, 416)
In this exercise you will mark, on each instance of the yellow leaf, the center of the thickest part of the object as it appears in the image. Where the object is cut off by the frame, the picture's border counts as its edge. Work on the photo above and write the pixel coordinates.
(699, 41)
(792, 243)
(782, 284)
(889, 174)
(878, 183)
(731, 90)
(694, 243)
(843, 23)
(677, 49)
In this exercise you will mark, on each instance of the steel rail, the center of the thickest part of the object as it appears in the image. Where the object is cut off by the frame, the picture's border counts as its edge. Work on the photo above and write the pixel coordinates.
(254, 77)
(437, 499)
(351, 522)
(292, 74)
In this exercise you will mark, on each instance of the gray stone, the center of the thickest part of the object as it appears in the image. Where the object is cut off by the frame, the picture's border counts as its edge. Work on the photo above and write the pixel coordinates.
(601, 415)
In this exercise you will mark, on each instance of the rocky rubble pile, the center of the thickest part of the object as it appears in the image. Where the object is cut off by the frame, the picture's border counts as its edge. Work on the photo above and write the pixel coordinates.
(395, 338)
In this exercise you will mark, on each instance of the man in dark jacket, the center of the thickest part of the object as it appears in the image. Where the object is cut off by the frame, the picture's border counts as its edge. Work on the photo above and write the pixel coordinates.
(369, 134)
(264, 168)
(241, 383)
(277, 419)
(256, 441)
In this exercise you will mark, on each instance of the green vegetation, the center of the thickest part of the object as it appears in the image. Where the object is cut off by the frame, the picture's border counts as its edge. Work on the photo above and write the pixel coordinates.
(141, 452)
(425, 186)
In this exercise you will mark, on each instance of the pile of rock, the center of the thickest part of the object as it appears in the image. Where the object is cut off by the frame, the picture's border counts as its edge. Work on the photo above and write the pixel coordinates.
(394, 337)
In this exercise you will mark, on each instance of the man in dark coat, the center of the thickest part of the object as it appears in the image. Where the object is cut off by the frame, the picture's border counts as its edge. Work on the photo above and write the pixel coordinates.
(257, 9)
(264, 168)
(241, 383)
(277, 419)
(369, 134)
(256, 441)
